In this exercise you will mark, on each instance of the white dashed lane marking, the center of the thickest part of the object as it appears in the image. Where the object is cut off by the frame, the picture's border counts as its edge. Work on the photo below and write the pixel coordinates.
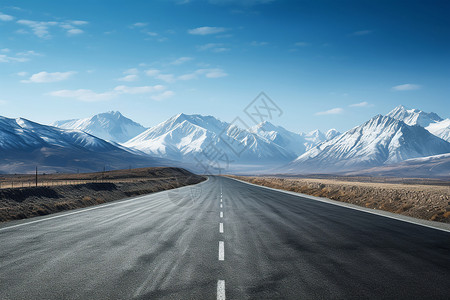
(221, 214)
(221, 227)
(221, 251)
(221, 290)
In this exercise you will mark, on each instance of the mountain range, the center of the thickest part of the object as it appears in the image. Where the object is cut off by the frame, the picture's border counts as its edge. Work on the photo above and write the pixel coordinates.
(25, 144)
(206, 144)
(110, 126)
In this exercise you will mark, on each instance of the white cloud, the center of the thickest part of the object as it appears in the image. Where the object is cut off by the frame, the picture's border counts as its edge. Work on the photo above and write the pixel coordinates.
(206, 30)
(208, 73)
(5, 17)
(214, 47)
(333, 111)
(181, 60)
(7, 59)
(361, 32)
(163, 95)
(158, 75)
(360, 104)
(22, 74)
(129, 78)
(74, 31)
(41, 29)
(406, 87)
(45, 77)
(5, 50)
(87, 95)
(139, 24)
(84, 95)
(138, 89)
(132, 71)
(79, 23)
(215, 73)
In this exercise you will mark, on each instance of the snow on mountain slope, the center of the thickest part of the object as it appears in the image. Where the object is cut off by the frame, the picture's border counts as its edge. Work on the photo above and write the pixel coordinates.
(413, 116)
(292, 142)
(440, 129)
(331, 134)
(190, 137)
(25, 144)
(111, 126)
(379, 141)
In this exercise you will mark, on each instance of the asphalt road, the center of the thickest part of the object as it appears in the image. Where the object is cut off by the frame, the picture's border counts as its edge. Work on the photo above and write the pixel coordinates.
(271, 245)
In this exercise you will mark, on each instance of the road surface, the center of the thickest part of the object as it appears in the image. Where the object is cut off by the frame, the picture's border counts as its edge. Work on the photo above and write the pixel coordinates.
(222, 239)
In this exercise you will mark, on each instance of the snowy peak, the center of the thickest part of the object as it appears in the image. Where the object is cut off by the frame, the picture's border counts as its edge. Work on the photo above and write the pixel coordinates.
(331, 134)
(440, 129)
(112, 126)
(379, 141)
(414, 116)
(187, 137)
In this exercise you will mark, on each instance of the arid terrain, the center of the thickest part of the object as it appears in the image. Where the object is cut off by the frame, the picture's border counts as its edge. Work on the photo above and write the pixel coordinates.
(59, 192)
(419, 198)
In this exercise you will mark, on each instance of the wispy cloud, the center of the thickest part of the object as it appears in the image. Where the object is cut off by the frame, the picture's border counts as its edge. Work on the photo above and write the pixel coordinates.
(23, 56)
(208, 73)
(361, 32)
(87, 95)
(46, 77)
(206, 30)
(333, 111)
(163, 95)
(5, 17)
(406, 87)
(139, 25)
(360, 104)
(155, 73)
(129, 78)
(181, 60)
(42, 29)
(214, 47)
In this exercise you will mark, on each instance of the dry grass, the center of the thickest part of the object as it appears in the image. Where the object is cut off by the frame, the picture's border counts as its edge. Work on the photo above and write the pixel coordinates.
(429, 202)
(20, 203)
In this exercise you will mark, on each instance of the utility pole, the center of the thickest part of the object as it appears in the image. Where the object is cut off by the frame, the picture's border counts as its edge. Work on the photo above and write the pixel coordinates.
(36, 177)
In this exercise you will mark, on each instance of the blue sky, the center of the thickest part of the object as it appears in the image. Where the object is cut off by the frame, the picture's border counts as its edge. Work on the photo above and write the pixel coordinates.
(326, 64)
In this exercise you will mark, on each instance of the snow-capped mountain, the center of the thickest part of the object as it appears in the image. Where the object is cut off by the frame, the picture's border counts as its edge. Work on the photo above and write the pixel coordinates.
(290, 141)
(430, 121)
(414, 116)
(111, 126)
(331, 134)
(440, 129)
(25, 144)
(379, 141)
(209, 141)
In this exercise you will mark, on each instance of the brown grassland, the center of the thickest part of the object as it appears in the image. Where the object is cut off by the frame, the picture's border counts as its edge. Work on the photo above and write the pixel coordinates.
(59, 192)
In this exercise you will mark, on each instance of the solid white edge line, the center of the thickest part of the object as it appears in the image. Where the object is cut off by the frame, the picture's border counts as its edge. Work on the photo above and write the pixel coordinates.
(221, 227)
(221, 290)
(349, 206)
(221, 251)
(82, 210)
(221, 214)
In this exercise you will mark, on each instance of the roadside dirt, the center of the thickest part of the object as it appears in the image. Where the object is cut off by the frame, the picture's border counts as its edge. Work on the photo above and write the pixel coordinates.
(21, 203)
(424, 201)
